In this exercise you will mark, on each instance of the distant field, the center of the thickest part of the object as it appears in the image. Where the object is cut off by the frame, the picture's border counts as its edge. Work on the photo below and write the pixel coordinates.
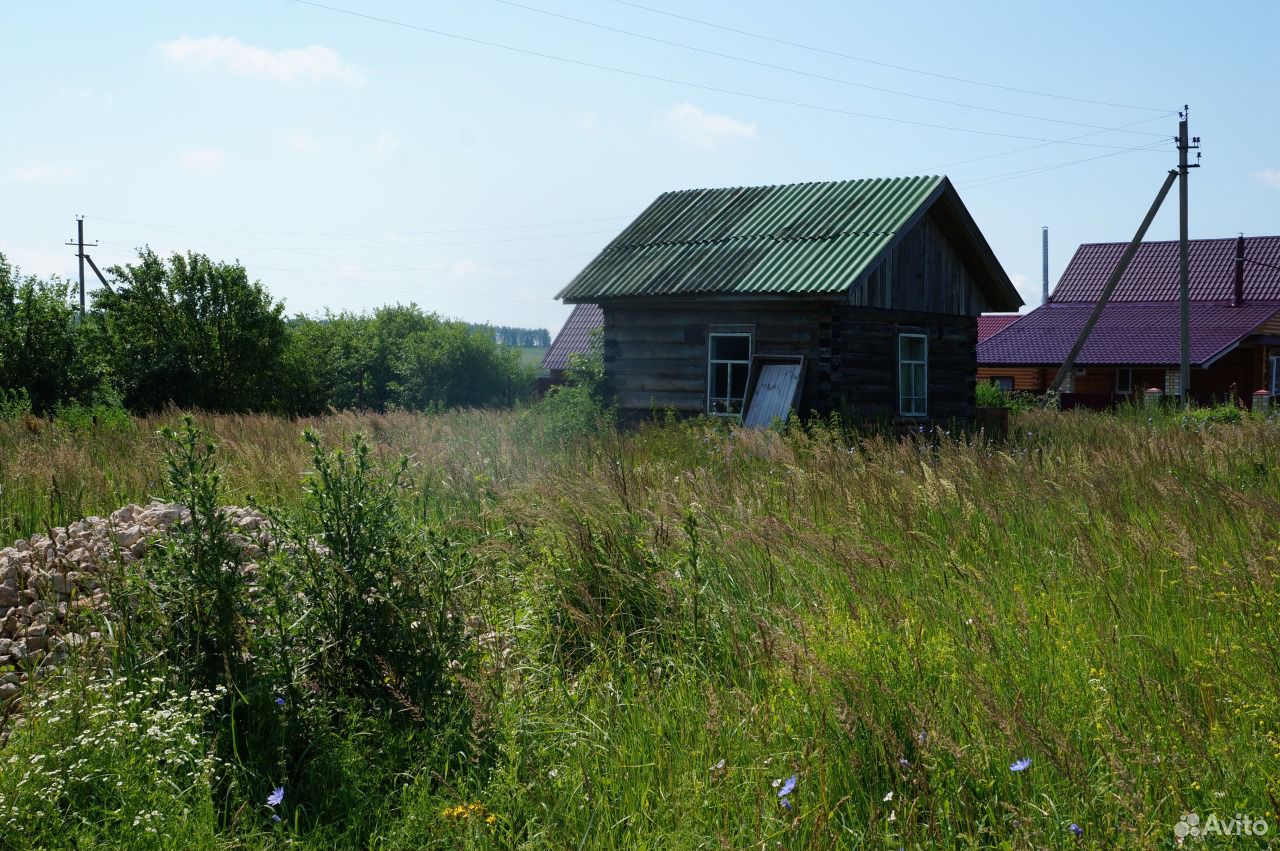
(1068, 641)
(532, 355)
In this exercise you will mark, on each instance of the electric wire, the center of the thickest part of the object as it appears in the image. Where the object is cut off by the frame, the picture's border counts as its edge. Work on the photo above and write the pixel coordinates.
(810, 74)
(364, 233)
(701, 86)
(863, 59)
(989, 180)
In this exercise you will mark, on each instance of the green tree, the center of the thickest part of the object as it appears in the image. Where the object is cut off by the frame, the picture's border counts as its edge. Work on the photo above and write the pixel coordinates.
(44, 351)
(191, 331)
(401, 357)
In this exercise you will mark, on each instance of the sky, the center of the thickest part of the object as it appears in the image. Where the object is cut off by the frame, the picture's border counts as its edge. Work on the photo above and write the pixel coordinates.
(471, 156)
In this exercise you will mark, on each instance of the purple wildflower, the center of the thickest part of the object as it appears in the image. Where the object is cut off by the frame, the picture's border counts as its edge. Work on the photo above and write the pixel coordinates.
(276, 797)
(279, 701)
(1021, 765)
(789, 786)
(275, 817)
(786, 804)
(1076, 830)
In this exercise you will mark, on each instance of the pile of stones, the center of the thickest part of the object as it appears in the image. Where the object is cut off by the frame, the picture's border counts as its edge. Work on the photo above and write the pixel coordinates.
(51, 586)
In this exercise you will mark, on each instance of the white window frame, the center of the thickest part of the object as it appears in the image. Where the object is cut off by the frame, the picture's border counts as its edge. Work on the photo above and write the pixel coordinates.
(1127, 391)
(923, 411)
(734, 365)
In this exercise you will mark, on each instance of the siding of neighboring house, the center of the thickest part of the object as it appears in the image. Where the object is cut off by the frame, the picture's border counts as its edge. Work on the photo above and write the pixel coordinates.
(1028, 379)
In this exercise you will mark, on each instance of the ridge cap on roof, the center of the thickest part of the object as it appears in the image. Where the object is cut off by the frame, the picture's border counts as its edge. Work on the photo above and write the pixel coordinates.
(1189, 241)
(800, 183)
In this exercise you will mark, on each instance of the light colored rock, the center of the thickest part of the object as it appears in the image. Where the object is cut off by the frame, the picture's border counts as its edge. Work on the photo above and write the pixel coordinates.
(126, 538)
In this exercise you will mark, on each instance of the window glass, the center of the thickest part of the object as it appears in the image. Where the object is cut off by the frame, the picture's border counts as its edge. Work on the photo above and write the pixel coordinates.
(728, 366)
(730, 347)
(913, 378)
(1124, 381)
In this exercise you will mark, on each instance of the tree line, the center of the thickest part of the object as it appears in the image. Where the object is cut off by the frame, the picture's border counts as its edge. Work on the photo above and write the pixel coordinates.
(193, 332)
(508, 335)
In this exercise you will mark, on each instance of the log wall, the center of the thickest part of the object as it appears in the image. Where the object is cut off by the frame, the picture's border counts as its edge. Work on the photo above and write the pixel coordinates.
(656, 355)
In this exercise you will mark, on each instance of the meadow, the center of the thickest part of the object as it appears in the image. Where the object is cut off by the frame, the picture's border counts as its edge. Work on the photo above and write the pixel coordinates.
(685, 636)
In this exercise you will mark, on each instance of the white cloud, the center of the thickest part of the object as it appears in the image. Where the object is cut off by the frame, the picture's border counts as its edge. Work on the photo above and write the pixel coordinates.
(1268, 177)
(385, 144)
(704, 129)
(204, 160)
(290, 65)
(587, 122)
(300, 141)
(38, 173)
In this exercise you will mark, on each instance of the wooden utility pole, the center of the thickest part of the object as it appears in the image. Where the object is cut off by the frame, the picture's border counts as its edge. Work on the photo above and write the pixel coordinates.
(1185, 146)
(1110, 286)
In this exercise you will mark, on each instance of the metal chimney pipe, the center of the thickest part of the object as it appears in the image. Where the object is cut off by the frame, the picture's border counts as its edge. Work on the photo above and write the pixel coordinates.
(1237, 296)
(1044, 245)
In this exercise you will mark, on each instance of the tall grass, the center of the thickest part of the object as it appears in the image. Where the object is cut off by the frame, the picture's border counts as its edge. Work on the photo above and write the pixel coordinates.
(669, 621)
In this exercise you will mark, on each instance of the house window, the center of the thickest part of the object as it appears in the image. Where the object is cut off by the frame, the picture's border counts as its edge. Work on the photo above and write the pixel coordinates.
(1275, 374)
(1004, 382)
(728, 362)
(913, 375)
(1124, 382)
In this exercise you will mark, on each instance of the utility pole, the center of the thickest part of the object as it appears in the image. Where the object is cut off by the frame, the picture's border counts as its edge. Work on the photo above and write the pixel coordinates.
(79, 243)
(1185, 146)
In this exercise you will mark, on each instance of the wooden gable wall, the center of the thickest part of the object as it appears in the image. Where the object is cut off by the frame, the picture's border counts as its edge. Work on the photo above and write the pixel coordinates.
(922, 273)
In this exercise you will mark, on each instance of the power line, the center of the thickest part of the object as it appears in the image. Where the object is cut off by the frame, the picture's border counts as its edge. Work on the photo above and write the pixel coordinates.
(810, 74)
(402, 244)
(448, 268)
(396, 268)
(989, 180)
(361, 233)
(1026, 148)
(701, 86)
(863, 59)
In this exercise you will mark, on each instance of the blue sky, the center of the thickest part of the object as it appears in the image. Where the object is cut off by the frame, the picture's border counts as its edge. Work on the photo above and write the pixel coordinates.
(350, 162)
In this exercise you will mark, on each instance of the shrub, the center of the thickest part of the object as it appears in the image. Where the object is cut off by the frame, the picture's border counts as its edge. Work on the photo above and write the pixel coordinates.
(380, 589)
(577, 408)
(988, 394)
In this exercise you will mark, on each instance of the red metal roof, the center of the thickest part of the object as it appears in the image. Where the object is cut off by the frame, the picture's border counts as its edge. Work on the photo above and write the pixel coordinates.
(1127, 333)
(1153, 274)
(575, 337)
(990, 323)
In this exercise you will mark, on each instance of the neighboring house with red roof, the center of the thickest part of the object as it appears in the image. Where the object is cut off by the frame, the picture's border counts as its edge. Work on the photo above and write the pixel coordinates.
(1235, 332)
(574, 339)
(990, 323)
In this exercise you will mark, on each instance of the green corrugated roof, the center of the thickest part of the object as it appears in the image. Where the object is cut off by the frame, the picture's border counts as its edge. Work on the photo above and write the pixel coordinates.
(802, 238)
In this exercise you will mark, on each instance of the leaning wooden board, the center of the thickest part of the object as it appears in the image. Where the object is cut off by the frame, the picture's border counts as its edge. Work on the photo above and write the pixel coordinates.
(774, 394)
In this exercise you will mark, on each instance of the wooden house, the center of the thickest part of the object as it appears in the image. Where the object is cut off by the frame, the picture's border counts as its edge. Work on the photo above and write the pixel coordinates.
(1234, 313)
(857, 296)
